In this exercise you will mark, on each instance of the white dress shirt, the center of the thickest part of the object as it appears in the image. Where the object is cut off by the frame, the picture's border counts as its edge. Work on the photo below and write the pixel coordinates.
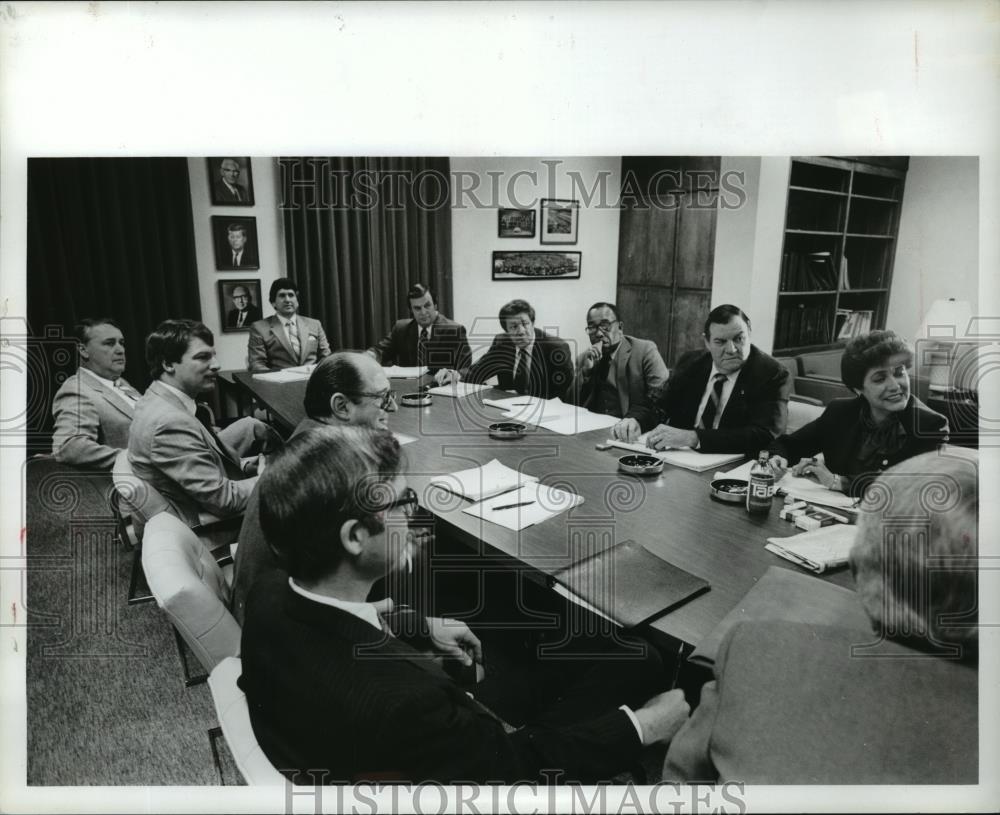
(110, 385)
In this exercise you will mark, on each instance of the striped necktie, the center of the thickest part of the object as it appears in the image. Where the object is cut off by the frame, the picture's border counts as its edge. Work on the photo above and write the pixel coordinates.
(293, 337)
(422, 347)
(708, 415)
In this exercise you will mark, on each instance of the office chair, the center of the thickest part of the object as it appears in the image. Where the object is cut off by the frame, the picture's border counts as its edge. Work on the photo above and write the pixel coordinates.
(192, 590)
(234, 720)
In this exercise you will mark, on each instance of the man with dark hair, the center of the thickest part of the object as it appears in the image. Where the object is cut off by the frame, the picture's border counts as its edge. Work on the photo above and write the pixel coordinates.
(729, 398)
(339, 693)
(286, 339)
(428, 338)
(617, 374)
(93, 408)
(525, 358)
(346, 388)
(244, 311)
(227, 187)
(241, 254)
(172, 444)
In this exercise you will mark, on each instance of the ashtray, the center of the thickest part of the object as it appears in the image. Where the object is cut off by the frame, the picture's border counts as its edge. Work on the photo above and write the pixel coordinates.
(421, 399)
(507, 430)
(640, 465)
(731, 490)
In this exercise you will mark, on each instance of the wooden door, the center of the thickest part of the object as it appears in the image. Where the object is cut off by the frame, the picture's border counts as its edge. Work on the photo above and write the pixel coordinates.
(666, 249)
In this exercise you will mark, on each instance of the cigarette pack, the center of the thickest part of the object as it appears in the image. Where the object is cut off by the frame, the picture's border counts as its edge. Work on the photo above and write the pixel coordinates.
(814, 518)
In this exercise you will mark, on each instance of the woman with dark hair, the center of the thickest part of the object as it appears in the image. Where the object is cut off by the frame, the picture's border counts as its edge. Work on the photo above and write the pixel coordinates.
(859, 437)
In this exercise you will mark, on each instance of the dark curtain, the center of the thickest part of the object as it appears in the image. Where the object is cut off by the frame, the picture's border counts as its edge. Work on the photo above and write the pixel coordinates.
(359, 232)
(107, 237)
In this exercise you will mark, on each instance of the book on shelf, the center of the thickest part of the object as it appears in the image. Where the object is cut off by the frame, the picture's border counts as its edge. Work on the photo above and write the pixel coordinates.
(845, 278)
(856, 323)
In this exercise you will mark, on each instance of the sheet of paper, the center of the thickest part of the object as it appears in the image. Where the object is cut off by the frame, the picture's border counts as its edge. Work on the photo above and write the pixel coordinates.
(818, 550)
(458, 390)
(552, 414)
(402, 438)
(296, 374)
(478, 483)
(804, 489)
(404, 372)
(581, 421)
(545, 502)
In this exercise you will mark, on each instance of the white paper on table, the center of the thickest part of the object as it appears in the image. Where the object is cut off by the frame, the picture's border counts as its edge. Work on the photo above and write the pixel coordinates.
(581, 421)
(458, 390)
(552, 414)
(804, 489)
(299, 372)
(402, 438)
(679, 456)
(817, 550)
(478, 483)
(404, 372)
(548, 502)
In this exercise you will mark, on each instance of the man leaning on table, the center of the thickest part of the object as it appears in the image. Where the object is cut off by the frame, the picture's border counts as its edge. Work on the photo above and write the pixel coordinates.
(286, 339)
(617, 374)
(729, 398)
(346, 388)
(427, 338)
(524, 358)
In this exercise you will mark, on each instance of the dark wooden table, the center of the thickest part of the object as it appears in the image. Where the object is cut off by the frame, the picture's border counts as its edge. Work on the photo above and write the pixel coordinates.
(673, 514)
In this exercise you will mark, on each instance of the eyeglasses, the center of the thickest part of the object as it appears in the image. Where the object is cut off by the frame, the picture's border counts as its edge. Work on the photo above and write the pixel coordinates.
(603, 326)
(409, 501)
(388, 398)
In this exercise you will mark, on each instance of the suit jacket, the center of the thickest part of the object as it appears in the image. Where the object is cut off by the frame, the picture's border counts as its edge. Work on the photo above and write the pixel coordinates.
(327, 691)
(448, 346)
(253, 315)
(756, 413)
(223, 194)
(248, 260)
(175, 453)
(551, 365)
(791, 705)
(638, 371)
(268, 347)
(91, 423)
(837, 434)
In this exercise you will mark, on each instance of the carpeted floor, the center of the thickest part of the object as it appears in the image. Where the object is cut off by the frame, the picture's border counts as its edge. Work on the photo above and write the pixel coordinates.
(106, 701)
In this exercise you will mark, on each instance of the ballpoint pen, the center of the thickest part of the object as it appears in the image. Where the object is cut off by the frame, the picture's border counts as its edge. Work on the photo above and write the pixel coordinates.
(511, 506)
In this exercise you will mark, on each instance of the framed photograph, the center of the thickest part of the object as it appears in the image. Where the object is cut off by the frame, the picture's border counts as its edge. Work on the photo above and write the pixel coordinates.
(231, 181)
(515, 223)
(559, 220)
(536, 265)
(239, 304)
(235, 241)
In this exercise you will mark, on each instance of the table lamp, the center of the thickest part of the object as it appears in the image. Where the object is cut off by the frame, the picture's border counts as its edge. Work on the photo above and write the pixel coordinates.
(943, 328)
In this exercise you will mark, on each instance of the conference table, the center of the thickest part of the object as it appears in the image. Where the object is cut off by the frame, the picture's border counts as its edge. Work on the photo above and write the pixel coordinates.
(672, 514)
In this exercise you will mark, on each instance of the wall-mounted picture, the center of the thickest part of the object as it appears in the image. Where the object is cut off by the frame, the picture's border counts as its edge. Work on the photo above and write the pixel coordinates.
(239, 304)
(559, 220)
(231, 181)
(515, 223)
(235, 241)
(536, 265)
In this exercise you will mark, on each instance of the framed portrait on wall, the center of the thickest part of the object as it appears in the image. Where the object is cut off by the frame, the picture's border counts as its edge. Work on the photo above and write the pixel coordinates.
(231, 181)
(515, 223)
(239, 304)
(235, 241)
(560, 220)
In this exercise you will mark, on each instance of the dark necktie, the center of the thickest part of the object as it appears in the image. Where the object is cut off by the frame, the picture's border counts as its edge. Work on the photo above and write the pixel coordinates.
(712, 405)
(236, 259)
(236, 193)
(521, 372)
(203, 414)
(422, 347)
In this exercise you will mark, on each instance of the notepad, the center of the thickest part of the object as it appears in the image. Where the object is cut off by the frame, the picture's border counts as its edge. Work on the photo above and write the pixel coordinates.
(530, 504)
(478, 483)
(818, 550)
(404, 372)
(630, 584)
(458, 390)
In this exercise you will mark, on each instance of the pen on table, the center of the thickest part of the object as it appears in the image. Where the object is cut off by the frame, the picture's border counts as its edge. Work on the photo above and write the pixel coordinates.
(511, 506)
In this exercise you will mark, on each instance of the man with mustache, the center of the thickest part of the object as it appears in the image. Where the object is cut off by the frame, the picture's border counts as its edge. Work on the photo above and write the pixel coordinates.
(729, 398)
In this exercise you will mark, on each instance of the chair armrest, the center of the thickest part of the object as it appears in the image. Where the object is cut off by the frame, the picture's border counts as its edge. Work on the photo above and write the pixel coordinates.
(805, 400)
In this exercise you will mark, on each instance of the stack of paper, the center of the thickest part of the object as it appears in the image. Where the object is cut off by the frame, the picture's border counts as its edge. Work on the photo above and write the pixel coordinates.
(404, 372)
(526, 506)
(458, 390)
(482, 482)
(296, 374)
(819, 550)
(679, 456)
(552, 414)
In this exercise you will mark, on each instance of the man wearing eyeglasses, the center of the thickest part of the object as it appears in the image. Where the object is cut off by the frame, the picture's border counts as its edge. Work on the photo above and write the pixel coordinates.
(346, 388)
(340, 691)
(617, 373)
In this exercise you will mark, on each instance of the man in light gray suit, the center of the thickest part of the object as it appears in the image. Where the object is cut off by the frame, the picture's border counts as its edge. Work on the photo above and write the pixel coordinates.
(172, 444)
(618, 373)
(286, 338)
(93, 407)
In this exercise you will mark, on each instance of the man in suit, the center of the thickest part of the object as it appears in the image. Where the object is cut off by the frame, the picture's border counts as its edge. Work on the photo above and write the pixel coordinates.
(618, 373)
(346, 388)
(798, 703)
(172, 444)
(93, 408)
(245, 311)
(338, 692)
(241, 254)
(226, 187)
(286, 338)
(524, 358)
(428, 338)
(730, 398)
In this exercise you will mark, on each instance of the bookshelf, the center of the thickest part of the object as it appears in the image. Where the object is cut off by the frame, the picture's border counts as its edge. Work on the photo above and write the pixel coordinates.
(839, 245)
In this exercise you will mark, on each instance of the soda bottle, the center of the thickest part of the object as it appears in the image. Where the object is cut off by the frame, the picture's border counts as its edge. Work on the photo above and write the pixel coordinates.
(760, 490)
